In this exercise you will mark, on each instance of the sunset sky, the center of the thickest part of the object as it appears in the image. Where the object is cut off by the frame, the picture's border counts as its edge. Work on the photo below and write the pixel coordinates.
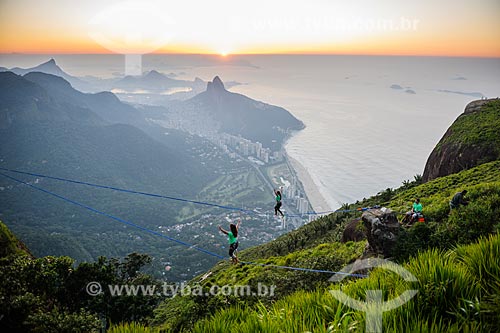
(392, 27)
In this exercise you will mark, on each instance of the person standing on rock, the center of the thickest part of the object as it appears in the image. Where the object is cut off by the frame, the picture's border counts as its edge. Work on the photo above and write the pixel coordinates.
(232, 237)
(459, 199)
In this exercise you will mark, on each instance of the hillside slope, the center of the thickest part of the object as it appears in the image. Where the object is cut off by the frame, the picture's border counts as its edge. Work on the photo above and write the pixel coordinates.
(9, 244)
(50, 67)
(457, 291)
(317, 246)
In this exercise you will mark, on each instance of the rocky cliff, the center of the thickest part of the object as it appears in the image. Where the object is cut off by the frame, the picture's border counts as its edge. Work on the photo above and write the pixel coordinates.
(473, 139)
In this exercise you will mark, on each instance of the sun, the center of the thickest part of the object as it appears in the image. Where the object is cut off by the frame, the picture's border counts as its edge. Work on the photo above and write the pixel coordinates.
(112, 28)
(223, 53)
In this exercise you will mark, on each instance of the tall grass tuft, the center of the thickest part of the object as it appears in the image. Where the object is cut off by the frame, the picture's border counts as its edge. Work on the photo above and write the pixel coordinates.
(132, 327)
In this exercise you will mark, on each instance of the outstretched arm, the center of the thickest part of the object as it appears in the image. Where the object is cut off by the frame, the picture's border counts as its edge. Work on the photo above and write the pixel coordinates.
(223, 231)
(238, 224)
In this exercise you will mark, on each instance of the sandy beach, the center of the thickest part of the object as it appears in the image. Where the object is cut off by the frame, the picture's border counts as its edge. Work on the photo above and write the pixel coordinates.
(315, 198)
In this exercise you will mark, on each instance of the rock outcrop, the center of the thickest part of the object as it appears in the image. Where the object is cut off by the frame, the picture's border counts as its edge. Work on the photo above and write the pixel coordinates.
(382, 229)
(238, 115)
(473, 139)
(354, 231)
(215, 86)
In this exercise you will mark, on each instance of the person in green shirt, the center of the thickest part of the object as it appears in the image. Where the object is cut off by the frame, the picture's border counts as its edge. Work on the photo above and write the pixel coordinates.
(277, 209)
(415, 211)
(232, 237)
(417, 207)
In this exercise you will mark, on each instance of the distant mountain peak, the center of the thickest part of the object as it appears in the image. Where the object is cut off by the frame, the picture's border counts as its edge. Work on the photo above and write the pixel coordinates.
(217, 82)
(49, 64)
(216, 85)
(153, 73)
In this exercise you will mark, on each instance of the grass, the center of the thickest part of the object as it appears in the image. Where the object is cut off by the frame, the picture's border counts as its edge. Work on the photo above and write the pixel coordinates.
(182, 312)
(9, 244)
(230, 189)
(478, 128)
(241, 187)
(131, 328)
(482, 182)
(452, 296)
(331, 256)
(441, 188)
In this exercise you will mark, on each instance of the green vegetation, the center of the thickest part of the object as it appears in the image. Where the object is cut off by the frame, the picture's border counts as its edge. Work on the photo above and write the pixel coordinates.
(238, 188)
(181, 313)
(459, 285)
(9, 244)
(458, 290)
(402, 198)
(276, 171)
(455, 256)
(478, 128)
(132, 327)
(325, 256)
(49, 294)
(470, 141)
(315, 245)
(444, 229)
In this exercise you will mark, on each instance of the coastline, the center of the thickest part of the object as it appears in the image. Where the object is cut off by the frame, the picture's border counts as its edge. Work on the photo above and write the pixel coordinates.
(314, 196)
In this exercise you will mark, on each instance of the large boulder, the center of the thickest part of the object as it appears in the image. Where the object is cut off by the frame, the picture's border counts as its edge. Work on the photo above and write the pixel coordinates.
(382, 229)
(354, 231)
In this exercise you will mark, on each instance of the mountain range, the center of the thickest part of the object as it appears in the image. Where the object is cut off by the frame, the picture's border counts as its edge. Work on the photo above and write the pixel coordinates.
(49, 127)
(48, 67)
(154, 83)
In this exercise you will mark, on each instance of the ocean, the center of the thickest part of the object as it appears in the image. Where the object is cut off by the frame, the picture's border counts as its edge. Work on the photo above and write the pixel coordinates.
(371, 121)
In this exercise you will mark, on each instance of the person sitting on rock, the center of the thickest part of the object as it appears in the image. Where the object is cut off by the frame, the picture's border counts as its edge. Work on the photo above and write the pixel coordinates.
(459, 199)
(414, 213)
(416, 209)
